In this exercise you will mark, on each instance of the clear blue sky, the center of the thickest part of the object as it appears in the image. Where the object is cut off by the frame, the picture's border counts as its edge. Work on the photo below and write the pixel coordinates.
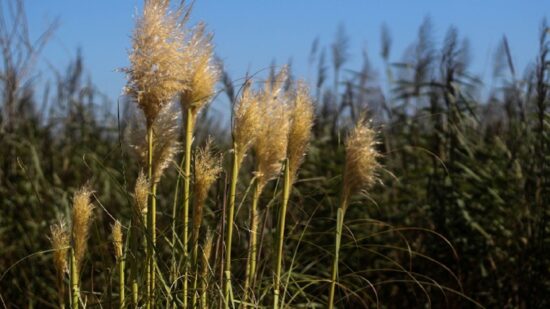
(249, 34)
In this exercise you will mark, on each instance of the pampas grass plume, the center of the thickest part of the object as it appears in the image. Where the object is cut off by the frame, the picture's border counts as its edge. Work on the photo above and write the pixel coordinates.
(301, 117)
(81, 220)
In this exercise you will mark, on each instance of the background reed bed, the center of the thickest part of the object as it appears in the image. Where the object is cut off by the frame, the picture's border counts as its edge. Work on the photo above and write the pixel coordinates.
(350, 194)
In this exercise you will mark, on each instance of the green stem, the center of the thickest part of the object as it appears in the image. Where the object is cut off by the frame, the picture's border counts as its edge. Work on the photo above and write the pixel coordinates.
(173, 268)
(338, 237)
(287, 187)
(150, 226)
(75, 290)
(252, 247)
(133, 257)
(186, 189)
(121, 281)
(230, 219)
(204, 280)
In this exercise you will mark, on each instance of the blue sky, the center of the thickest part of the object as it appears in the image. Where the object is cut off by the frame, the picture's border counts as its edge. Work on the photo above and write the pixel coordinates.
(249, 34)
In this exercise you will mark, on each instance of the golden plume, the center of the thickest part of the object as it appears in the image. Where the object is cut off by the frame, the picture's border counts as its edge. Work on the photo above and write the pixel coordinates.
(246, 122)
(201, 74)
(141, 193)
(207, 169)
(165, 140)
(81, 221)
(155, 59)
(60, 243)
(301, 122)
(361, 158)
(271, 142)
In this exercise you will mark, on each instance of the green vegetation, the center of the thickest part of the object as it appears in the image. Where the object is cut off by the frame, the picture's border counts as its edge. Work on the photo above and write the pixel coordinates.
(456, 215)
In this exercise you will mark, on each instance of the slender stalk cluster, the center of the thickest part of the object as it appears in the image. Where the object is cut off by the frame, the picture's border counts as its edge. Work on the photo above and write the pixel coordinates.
(246, 124)
(207, 170)
(270, 148)
(81, 221)
(200, 77)
(299, 134)
(359, 174)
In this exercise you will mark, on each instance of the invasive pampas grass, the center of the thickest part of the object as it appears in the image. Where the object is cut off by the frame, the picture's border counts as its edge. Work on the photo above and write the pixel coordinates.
(246, 122)
(272, 139)
(141, 193)
(81, 221)
(299, 134)
(360, 173)
(270, 149)
(60, 240)
(200, 76)
(301, 122)
(202, 73)
(165, 145)
(156, 58)
(207, 169)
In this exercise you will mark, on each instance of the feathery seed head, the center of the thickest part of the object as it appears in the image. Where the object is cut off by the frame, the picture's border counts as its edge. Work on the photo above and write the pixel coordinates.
(60, 243)
(361, 158)
(82, 219)
(207, 169)
(271, 142)
(301, 118)
(141, 193)
(246, 122)
(165, 140)
(201, 73)
(155, 59)
(117, 239)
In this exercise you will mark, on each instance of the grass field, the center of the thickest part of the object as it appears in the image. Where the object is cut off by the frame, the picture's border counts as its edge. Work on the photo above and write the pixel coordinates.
(430, 190)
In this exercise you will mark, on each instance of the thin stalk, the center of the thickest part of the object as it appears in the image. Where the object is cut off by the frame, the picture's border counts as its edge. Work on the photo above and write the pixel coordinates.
(174, 234)
(230, 219)
(149, 259)
(75, 290)
(252, 247)
(121, 265)
(338, 237)
(154, 241)
(204, 280)
(133, 258)
(186, 191)
(287, 187)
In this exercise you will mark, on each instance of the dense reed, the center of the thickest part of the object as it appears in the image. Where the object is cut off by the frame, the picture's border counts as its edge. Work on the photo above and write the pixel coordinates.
(462, 223)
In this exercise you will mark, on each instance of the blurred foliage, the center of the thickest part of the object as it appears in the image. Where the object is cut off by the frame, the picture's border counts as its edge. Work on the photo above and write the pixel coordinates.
(461, 220)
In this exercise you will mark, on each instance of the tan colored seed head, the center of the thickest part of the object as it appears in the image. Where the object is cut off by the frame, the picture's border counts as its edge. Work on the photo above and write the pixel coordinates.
(60, 243)
(201, 74)
(155, 58)
(361, 159)
(271, 142)
(301, 118)
(207, 169)
(117, 239)
(81, 222)
(141, 193)
(246, 122)
(165, 141)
